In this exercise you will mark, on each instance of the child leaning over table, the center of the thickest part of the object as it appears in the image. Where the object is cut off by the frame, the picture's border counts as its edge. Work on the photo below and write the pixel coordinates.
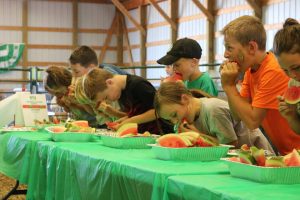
(286, 48)
(211, 116)
(57, 83)
(134, 94)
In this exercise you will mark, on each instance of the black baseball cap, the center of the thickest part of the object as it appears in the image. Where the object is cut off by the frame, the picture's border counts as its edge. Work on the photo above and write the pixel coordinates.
(182, 48)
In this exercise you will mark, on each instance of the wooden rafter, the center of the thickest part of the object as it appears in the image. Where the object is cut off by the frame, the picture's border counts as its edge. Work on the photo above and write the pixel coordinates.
(127, 14)
(256, 6)
(204, 10)
(107, 39)
(163, 14)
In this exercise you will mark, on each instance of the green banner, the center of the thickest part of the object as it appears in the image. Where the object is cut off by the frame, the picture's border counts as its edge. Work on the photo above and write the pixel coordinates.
(10, 55)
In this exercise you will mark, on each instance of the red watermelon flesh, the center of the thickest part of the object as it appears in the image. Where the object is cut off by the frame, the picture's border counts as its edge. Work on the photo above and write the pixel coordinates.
(205, 142)
(259, 155)
(81, 123)
(234, 159)
(292, 159)
(58, 129)
(292, 95)
(128, 128)
(171, 140)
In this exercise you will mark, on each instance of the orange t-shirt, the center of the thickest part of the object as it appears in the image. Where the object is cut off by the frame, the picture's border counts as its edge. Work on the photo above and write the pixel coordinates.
(262, 87)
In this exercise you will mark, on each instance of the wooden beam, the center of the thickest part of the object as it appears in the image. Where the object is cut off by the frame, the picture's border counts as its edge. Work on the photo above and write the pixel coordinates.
(211, 34)
(107, 39)
(25, 38)
(75, 24)
(163, 14)
(204, 10)
(173, 10)
(143, 39)
(127, 14)
(256, 5)
(120, 45)
(132, 4)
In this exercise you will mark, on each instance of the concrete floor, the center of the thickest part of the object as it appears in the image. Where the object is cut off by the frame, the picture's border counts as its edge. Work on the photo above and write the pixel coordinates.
(6, 184)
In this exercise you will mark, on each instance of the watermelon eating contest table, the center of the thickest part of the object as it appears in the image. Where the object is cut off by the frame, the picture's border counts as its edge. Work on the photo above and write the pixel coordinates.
(65, 170)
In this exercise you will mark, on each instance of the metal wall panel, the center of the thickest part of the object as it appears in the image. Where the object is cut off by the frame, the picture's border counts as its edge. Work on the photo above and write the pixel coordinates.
(50, 14)
(10, 13)
(135, 14)
(159, 33)
(10, 36)
(44, 55)
(94, 39)
(91, 15)
(154, 16)
(58, 38)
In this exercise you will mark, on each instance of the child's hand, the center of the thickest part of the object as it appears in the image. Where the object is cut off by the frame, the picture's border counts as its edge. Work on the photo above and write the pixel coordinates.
(71, 91)
(286, 110)
(229, 73)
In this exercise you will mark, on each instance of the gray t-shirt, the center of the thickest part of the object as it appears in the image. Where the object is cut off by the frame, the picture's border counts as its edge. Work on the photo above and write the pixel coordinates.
(216, 120)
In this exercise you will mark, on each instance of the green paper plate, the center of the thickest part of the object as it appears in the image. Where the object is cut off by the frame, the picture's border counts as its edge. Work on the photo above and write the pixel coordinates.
(190, 153)
(139, 142)
(275, 175)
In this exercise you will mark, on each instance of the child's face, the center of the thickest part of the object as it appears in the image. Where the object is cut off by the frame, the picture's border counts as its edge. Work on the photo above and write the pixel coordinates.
(235, 52)
(169, 69)
(290, 63)
(185, 66)
(173, 112)
(78, 70)
(111, 93)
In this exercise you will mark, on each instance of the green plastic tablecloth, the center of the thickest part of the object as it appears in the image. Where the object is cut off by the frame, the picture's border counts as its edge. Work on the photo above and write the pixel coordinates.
(226, 187)
(92, 171)
(16, 149)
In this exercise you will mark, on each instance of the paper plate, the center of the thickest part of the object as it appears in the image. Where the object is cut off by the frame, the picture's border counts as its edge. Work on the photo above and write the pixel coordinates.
(190, 153)
(138, 142)
(275, 175)
(70, 136)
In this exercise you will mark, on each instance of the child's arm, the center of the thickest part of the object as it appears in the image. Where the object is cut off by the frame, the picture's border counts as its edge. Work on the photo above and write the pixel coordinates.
(147, 116)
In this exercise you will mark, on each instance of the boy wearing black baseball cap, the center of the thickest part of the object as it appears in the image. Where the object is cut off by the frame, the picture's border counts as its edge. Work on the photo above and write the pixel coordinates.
(185, 56)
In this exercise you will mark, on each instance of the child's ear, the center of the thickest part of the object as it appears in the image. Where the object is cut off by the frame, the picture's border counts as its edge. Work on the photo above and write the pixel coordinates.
(184, 99)
(252, 47)
(109, 81)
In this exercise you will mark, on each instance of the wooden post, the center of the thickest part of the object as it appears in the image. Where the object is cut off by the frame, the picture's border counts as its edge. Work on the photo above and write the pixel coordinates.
(119, 38)
(143, 50)
(173, 5)
(25, 38)
(211, 33)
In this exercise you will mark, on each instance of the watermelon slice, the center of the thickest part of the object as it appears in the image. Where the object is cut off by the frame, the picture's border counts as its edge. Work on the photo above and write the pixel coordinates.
(246, 157)
(128, 128)
(205, 142)
(58, 129)
(292, 95)
(292, 159)
(276, 161)
(81, 123)
(259, 155)
(174, 78)
(171, 140)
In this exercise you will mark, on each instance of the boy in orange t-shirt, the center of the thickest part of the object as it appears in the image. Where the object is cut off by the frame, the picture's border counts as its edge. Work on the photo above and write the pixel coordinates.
(256, 104)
